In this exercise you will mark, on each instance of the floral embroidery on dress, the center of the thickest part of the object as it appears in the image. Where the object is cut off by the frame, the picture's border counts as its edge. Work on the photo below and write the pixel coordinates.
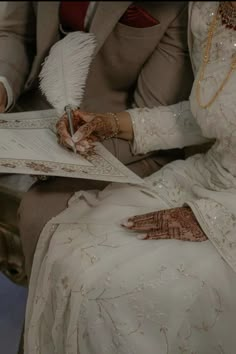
(96, 289)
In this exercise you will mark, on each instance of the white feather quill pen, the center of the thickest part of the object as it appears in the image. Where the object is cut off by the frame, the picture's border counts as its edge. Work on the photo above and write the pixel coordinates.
(65, 70)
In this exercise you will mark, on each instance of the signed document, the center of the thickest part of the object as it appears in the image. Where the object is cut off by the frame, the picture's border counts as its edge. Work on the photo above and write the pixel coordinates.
(28, 145)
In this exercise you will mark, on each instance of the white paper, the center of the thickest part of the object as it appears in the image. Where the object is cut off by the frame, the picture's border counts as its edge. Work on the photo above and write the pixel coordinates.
(28, 145)
(36, 144)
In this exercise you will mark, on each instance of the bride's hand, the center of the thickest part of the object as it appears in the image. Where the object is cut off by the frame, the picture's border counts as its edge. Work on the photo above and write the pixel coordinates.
(177, 223)
(90, 127)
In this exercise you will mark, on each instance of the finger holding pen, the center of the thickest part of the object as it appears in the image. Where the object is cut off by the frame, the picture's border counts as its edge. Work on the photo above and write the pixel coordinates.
(90, 127)
(69, 111)
(63, 129)
(64, 135)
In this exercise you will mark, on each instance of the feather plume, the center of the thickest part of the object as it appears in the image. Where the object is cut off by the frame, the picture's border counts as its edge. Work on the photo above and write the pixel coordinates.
(65, 70)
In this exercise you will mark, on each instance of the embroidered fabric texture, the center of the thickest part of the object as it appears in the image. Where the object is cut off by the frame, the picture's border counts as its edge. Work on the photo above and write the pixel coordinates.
(95, 288)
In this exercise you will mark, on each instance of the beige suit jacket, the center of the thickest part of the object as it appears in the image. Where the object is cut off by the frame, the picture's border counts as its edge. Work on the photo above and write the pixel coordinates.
(132, 66)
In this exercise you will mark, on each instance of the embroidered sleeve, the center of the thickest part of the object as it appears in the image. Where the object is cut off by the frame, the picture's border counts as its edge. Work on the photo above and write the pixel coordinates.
(164, 127)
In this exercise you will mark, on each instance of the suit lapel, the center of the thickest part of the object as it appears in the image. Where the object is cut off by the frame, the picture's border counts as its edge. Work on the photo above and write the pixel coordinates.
(106, 16)
(47, 34)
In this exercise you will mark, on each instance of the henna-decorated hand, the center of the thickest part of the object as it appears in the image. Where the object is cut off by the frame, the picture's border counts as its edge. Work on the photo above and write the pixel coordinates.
(177, 223)
(88, 127)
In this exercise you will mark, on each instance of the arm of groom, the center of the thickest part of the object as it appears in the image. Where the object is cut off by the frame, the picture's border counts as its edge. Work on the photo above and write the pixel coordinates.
(17, 42)
(167, 76)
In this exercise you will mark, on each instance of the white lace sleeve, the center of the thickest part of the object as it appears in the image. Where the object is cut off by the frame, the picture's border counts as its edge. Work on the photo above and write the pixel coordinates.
(164, 127)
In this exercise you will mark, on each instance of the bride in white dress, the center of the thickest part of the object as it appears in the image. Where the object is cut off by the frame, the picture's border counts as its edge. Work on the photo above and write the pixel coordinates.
(96, 287)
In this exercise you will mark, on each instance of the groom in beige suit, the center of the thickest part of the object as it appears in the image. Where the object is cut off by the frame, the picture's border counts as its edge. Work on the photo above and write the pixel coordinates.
(137, 63)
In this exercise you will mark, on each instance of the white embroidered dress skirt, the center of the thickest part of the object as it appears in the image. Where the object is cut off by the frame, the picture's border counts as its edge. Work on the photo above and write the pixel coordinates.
(96, 288)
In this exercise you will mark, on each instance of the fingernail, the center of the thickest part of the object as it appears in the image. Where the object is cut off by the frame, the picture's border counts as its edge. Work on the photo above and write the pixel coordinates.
(77, 137)
(141, 236)
(88, 116)
(86, 144)
(80, 148)
(83, 113)
(69, 142)
(127, 223)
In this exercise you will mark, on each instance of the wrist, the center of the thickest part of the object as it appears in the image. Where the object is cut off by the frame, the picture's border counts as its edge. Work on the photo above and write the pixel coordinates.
(115, 125)
(120, 125)
(126, 127)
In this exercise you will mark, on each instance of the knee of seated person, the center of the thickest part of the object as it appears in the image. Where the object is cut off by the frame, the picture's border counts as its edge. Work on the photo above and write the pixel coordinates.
(23, 213)
(31, 212)
(38, 206)
(70, 270)
(65, 273)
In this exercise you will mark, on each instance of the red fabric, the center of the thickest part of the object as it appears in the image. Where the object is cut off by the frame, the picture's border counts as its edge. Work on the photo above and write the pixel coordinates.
(138, 17)
(72, 15)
